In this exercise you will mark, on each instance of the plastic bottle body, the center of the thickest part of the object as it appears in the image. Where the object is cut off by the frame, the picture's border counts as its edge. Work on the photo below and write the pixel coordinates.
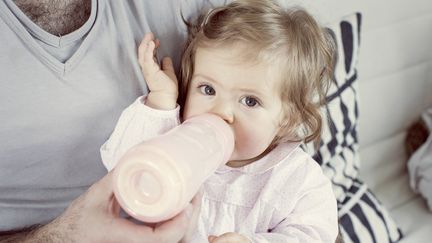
(156, 179)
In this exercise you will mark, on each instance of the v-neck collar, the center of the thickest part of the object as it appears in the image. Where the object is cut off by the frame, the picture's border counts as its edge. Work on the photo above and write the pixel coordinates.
(27, 30)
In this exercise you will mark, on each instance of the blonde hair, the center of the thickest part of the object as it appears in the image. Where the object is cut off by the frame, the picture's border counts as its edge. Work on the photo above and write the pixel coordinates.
(287, 39)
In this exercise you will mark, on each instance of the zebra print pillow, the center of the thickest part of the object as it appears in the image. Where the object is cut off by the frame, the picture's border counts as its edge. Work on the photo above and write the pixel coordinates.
(362, 217)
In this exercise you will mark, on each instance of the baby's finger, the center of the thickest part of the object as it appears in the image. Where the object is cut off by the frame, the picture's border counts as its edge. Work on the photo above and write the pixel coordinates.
(143, 47)
(211, 238)
(167, 66)
(155, 57)
(149, 52)
(147, 62)
(229, 237)
(157, 42)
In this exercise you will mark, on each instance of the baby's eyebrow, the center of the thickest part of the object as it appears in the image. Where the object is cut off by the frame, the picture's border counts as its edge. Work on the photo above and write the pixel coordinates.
(257, 92)
(198, 75)
(249, 90)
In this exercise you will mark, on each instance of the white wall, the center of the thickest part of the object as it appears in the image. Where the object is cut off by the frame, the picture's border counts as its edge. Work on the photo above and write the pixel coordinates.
(395, 79)
(394, 66)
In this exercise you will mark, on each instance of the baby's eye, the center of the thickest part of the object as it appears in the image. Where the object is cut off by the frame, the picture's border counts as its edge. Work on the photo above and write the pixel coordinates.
(207, 89)
(250, 101)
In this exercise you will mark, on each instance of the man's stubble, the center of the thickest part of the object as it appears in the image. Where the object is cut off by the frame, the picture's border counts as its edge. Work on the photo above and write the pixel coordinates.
(58, 17)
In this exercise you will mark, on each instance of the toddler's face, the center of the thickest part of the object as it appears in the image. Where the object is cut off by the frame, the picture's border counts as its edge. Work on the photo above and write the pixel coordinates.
(245, 95)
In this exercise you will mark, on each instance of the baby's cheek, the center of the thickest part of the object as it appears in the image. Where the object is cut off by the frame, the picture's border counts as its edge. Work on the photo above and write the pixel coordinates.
(250, 144)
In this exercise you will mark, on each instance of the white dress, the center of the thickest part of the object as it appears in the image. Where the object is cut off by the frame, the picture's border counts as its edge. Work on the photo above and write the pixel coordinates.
(282, 197)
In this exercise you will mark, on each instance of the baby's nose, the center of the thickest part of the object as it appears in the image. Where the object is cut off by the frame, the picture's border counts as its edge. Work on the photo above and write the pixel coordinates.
(225, 112)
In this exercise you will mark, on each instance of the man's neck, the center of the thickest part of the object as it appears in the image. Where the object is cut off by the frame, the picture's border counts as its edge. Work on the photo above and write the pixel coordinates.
(58, 17)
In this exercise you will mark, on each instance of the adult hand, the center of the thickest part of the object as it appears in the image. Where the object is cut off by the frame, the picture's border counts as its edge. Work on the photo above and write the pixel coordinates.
(94, 217)
(196, 202)
(229, 237)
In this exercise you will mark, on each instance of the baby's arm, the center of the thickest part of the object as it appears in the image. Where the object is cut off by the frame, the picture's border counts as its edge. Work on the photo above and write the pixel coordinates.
(149, 115)
(136, 124)
(162, 84)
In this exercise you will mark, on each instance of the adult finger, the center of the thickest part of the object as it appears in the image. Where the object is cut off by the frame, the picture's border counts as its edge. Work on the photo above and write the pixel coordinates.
(102, 190)
(175, 228)
(196, 203)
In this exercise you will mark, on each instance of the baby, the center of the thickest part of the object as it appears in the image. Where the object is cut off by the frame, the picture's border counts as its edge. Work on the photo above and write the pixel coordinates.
(264, 70)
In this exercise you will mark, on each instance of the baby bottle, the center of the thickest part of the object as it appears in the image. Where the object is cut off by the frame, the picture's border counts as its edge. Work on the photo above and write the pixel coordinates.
(156, 179)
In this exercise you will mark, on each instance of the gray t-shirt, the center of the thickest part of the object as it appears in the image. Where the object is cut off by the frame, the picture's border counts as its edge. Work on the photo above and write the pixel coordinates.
(60, 98)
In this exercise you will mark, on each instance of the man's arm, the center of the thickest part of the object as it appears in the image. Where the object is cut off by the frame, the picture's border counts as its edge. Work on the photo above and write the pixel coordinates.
(18, 235)
(95, 217)
(36, 233)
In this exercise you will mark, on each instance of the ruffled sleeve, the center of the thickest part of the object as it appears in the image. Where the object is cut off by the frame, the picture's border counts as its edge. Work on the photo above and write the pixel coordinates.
(136, 124)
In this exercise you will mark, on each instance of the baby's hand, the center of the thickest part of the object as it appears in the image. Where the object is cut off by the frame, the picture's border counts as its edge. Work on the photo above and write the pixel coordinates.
(229, 237)
(163, 84)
